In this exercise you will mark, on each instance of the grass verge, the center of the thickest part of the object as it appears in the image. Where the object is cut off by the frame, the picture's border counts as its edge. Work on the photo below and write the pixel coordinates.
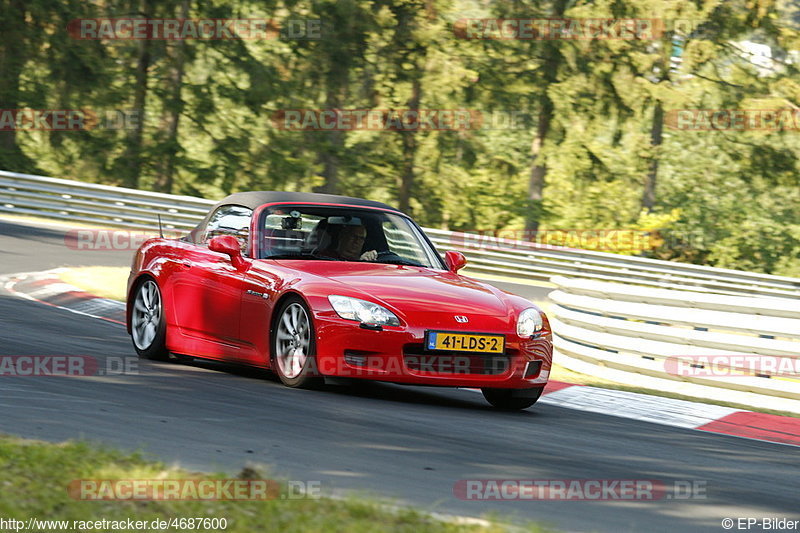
(103, 281)
(35, 477)
(43, 220)
(109, 282)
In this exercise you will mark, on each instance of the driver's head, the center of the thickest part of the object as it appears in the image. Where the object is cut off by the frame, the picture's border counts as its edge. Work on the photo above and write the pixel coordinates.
(351, 241)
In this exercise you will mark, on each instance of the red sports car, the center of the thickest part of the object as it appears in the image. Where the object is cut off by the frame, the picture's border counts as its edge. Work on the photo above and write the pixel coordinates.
(313, 285)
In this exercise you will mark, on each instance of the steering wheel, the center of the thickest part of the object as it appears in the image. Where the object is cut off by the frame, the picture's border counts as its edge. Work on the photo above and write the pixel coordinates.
(387, 256)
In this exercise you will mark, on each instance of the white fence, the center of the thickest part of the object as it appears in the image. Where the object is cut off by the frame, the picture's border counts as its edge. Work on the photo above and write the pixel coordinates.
(128, 208)
(739, 343)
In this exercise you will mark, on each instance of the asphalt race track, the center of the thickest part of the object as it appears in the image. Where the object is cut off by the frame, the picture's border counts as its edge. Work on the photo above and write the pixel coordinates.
(408, 444)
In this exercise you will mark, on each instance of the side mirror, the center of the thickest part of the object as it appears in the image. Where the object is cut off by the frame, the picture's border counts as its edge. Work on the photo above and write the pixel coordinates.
(454, 260)
(228, 244)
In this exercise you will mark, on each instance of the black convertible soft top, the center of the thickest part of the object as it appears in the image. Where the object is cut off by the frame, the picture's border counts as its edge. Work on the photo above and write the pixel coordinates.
(254, 199)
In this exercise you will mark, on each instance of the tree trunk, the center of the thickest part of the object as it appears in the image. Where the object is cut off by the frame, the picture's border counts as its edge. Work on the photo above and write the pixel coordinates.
(538, 168)
(649, 196)
(174, 107)
(333, 146)
(406, 188)
(664, 65)
(538, 173)
(12, 60)
(131, 160)
(330, 162)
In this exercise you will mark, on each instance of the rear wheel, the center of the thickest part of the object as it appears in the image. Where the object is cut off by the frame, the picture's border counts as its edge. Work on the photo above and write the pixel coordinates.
(293, 345)
(512, 399)
(148, 325)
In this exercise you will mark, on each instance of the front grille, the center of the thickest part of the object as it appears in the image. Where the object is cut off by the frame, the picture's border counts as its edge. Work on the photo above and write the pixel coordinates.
(417, 359)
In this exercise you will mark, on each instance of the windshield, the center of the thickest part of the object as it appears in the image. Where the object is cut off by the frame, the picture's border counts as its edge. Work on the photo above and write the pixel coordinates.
(343, 234)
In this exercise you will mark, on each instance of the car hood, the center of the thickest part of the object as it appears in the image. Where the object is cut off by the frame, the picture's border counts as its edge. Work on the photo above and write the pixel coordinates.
(412, 289)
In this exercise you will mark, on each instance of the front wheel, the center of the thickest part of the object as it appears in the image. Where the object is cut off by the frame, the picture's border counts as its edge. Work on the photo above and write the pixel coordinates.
(148, 324)
(512, 399)
(293, 346)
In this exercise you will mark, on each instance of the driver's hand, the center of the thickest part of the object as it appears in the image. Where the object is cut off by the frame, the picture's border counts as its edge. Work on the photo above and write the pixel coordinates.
(371, 255)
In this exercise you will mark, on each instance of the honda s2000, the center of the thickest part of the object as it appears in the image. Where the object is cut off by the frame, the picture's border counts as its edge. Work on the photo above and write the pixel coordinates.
(312, 285)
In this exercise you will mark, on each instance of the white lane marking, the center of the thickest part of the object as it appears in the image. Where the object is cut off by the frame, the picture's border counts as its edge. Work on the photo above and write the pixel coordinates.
(623, 404)
(13, 279)
(96, 305)
(52, 289)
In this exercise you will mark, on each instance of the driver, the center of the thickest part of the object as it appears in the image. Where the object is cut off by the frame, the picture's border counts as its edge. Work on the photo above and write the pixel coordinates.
(351, 241)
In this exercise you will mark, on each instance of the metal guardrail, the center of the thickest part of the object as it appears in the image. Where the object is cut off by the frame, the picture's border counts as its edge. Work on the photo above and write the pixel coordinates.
(677, 335)
(81, 202)
(91, 203)
(532, 261)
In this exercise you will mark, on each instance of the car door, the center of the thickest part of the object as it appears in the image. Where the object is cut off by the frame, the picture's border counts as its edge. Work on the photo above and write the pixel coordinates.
(208, 289)
(264, 280)
(258, 303)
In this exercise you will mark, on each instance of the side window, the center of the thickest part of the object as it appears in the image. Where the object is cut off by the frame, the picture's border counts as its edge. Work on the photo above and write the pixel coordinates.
(229, 220)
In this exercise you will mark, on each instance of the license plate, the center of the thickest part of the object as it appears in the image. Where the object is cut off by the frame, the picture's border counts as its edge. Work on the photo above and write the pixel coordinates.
(464, 342)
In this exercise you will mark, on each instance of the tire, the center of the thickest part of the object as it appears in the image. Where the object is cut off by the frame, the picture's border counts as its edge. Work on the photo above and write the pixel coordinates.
(293, 345)
(148, 324)
(512, 399)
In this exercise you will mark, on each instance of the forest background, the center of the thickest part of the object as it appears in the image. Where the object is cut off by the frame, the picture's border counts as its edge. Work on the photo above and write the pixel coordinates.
(567, 136)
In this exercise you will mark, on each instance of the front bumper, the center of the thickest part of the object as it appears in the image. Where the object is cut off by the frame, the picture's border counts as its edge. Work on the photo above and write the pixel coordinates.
(397, 354)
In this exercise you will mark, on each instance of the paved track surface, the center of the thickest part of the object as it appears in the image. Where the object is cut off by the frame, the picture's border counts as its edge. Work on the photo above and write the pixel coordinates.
(409, 444)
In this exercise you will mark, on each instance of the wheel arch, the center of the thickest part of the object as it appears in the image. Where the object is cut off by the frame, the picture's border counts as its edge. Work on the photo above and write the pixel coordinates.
(135, 283)
(309, 376)
(278, 303)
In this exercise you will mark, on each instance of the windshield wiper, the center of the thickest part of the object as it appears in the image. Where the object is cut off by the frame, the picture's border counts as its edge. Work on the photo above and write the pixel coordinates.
(403, 262)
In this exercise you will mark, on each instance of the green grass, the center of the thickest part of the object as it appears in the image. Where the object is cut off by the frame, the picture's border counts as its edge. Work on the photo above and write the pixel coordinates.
(51, 221)
(34, 477)
(103, 281)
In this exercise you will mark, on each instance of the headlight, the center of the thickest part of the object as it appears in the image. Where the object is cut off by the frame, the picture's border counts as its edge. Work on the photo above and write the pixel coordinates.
(362, 311)
(529, 322)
